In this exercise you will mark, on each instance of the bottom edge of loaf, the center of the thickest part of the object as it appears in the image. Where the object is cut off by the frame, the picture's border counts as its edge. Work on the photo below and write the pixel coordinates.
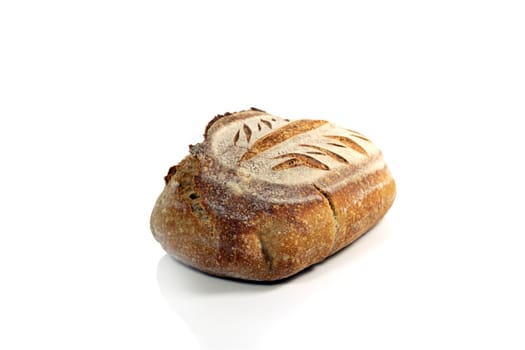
(269, 279)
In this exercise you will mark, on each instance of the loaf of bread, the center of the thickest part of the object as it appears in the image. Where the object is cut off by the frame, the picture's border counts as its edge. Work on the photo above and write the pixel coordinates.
(262, 197)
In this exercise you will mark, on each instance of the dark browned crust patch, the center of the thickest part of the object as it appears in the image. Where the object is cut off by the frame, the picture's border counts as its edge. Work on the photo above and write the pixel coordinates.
(216, 118)
(171, 172)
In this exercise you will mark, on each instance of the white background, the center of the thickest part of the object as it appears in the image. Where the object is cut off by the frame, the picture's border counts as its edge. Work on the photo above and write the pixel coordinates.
(99, 98)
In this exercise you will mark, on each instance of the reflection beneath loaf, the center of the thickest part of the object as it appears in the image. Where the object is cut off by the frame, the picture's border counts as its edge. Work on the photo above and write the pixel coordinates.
(225, 313)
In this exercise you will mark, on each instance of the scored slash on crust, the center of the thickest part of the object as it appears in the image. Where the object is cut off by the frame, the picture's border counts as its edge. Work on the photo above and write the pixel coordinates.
(328, 153)
(297, 158)
(348, 142)
(248, 131)
(280, 135)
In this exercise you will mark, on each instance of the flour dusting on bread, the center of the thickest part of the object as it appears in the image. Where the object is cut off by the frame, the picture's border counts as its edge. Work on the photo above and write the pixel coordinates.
(274, 149)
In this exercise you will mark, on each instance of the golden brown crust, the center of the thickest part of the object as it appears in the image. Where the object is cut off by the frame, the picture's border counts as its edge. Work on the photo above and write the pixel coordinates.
(224, 222)
(358, 206)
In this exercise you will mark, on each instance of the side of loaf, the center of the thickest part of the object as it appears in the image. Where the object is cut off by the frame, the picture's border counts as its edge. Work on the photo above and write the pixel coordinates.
(263, 197)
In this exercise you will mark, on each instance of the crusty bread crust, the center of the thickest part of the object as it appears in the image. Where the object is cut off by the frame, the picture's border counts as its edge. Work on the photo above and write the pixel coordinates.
(226, 220)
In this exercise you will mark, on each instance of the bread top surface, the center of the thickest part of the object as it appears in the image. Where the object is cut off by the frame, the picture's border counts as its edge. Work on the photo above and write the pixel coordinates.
(253, 152)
